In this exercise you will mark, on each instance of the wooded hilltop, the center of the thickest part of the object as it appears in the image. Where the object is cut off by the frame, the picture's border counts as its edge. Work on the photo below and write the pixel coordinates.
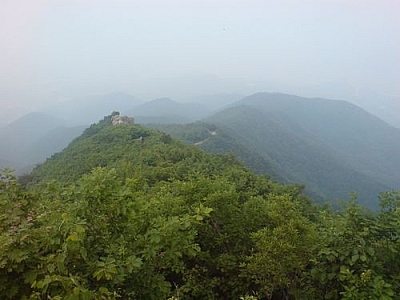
(128, 212)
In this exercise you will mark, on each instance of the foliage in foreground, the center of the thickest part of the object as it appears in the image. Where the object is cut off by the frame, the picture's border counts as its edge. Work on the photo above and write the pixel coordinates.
(169, 221)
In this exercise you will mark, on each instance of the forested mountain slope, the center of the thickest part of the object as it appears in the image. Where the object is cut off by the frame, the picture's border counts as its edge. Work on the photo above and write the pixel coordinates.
(365, 141)
(215, 139)
(103, 145)
(127, 212)
(333, 147)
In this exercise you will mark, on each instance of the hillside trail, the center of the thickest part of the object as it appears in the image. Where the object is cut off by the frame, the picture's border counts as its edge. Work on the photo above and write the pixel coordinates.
(212, 133)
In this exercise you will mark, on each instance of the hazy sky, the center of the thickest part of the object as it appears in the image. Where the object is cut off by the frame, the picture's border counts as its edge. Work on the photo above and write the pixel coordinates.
(54, 49)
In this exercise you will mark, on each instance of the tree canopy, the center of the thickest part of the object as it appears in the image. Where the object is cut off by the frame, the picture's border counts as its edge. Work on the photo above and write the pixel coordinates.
(127, 212)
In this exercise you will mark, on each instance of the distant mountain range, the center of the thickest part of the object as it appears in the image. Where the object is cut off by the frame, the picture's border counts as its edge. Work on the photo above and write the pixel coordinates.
(332, 147)
(89, 110)
(167, 111)
(32, 138)
(385, 106)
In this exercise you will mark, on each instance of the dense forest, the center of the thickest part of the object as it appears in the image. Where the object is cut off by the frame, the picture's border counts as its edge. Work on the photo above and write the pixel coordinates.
(332, 147)
(128, 212)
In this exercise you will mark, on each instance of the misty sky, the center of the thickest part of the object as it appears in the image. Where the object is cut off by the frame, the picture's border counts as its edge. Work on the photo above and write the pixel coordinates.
(53, 50)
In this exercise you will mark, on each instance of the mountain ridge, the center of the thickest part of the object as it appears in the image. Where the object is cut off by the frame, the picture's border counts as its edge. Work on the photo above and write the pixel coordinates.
(290, 138)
